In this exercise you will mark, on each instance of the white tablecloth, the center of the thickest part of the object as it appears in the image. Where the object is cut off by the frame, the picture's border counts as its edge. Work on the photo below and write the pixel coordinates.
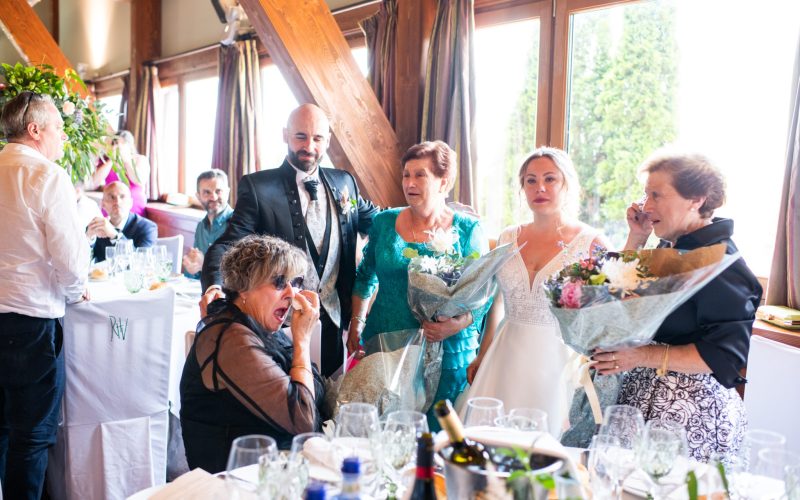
(124, 357)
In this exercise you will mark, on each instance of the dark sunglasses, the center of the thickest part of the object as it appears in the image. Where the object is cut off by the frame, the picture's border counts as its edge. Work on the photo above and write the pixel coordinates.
(279, 282)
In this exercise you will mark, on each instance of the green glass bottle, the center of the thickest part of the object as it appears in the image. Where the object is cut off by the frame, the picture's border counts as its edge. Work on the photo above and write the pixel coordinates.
(465, 451)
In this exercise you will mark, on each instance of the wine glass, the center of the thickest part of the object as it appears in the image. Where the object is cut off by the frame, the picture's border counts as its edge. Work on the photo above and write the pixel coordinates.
(111, 253)
(400, 433)
(304, 442)
(134, 280)
(163, 262)
(756, 440)
(773, 467)
(744, 480)
(358, 434)
(601, 476)
(536, 416)
(625, 423)
(243, 472)
(482, 411)
(663, 455)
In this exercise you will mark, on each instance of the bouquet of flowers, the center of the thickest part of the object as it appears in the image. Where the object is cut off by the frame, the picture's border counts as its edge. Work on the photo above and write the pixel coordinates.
(619, 300)
(403, 371)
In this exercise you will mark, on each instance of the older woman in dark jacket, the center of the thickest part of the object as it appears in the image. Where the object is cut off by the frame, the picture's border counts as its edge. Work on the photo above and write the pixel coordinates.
(688, 374)
(243, 375)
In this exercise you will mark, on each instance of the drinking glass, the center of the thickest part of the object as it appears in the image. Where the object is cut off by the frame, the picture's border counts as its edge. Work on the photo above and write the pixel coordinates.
(601, 475)
(568, 488)
(792, 482)
(245, 465)
(773, 467)
(756, 440)
(535, 415)
(400, 438)
(482, 411)
(304, 441)
(625, 424)
(111, 253)
(744, 480)
(663, 455)
(358, 434)
(134, 281)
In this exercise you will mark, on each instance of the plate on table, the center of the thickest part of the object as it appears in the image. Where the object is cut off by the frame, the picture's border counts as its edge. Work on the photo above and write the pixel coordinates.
(98, 274)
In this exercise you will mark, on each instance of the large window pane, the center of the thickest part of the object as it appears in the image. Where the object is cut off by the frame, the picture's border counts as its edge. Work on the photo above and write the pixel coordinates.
(111, 109)
(201, 113)
(168, 141)
(506, 93)
(673, 72)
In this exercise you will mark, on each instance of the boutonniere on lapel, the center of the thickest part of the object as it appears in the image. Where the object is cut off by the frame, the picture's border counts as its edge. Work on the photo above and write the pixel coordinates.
(347, 205)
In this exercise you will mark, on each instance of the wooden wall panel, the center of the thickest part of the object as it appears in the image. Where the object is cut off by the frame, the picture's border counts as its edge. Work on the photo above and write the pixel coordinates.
(305, 42)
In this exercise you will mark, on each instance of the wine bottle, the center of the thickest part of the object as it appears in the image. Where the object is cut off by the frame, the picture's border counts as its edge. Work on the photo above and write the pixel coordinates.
(423, 483)
(465, 451)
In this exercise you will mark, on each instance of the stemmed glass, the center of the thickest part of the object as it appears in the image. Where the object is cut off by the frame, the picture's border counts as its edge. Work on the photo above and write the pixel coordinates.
(625, 424)
(531, 419)
(111, 254)
(358, 434)
(482, 411)
(244, 471)
(744, 482)
(163, 262)
(774, 466)
(400, 433)
(663, 454)
(602, 476)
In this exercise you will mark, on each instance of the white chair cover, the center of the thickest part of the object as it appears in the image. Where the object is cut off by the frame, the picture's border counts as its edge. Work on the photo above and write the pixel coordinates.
(174, 246)
(770, 398)
(113, 441)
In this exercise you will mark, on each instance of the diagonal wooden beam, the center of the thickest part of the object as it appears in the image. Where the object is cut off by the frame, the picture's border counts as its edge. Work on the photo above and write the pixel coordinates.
(305, 42)
(30, 36)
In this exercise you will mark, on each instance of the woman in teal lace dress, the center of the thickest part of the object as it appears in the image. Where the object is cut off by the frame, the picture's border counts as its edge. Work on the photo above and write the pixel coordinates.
(429, 171)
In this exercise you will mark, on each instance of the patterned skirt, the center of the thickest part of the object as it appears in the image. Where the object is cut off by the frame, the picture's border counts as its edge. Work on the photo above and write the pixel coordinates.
(714, 417)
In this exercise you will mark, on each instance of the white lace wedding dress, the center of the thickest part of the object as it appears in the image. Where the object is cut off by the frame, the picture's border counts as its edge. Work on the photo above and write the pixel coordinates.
(527, 364)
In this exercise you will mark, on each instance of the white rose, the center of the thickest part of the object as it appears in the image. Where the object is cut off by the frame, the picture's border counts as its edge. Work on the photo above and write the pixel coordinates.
(428, 264)
(442, 241)
(68, 108)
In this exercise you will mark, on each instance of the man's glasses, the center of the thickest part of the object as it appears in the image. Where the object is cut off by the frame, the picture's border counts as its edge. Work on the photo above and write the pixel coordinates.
(28, 97)
(280, 282)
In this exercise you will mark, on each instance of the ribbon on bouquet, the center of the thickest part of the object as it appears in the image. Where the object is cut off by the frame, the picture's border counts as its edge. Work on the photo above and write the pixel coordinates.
(585, 380)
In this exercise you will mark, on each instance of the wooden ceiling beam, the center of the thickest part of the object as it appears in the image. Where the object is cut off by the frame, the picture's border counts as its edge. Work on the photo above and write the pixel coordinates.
(145, 44)
(305, 42)
(30, 36)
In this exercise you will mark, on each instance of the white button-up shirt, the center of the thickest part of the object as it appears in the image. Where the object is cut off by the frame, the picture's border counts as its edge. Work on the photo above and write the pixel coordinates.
(45, 256)
(305, 198)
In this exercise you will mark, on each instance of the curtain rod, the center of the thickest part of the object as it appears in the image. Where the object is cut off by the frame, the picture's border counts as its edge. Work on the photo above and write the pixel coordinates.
(118, 74)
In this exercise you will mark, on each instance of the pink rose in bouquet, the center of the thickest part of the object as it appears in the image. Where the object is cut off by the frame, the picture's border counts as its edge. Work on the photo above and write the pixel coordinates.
(571, 294)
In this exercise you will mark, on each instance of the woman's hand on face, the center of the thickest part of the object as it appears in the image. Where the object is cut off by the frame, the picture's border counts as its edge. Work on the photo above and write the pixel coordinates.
(444, 327)
(639, 222)
(305, 316)
(614, 362)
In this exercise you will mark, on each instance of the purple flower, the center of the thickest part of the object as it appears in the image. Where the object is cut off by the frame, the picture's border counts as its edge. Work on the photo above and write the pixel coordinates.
(571, 294)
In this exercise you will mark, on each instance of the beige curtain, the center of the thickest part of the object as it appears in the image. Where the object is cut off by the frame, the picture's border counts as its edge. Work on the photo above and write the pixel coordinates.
(380, 30)
(122, 123)
(784, 279)
(236, 145)
(448, 112)
(142, 123)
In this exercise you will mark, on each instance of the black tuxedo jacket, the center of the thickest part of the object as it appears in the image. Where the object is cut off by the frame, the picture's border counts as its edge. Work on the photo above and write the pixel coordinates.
(143, 232)
(268, 203)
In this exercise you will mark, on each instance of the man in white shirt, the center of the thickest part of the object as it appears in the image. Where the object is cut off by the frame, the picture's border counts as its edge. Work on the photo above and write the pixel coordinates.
(45, 263)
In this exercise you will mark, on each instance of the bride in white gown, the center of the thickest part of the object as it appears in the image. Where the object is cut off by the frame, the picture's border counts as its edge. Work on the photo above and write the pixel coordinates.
(522, 359)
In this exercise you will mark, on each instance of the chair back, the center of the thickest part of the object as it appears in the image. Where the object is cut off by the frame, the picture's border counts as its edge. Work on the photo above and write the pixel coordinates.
(174, 246)
(771, 368)
(113, 441)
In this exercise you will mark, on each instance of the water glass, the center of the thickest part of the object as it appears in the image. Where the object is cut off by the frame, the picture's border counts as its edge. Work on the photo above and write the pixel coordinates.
(535, 415)
(568, 488)
(773, 466)
(482, 411)
(756, 440)
(663, 455)
(282, 478)
(134, 280)
(358, 433)
(306, 441)
(601, 476)
(625, 423)
(245, 465)
(111, 253)
(792, 482)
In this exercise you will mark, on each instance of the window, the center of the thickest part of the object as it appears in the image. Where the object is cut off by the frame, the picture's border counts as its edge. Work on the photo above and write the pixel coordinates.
(629, 78)
(201, 114)
(111, 105)
(169, 140)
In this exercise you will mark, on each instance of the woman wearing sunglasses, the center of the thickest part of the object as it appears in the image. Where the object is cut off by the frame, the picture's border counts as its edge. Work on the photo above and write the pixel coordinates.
(243, 375)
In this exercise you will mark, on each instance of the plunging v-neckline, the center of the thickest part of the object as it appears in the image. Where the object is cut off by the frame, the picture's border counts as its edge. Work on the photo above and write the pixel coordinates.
(532, 277)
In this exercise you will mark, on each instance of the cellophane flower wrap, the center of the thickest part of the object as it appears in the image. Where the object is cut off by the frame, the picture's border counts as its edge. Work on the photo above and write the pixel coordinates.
(619, 300)
(403, 370)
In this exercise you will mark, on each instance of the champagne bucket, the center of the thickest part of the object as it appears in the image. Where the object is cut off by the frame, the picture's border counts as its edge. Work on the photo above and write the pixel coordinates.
(471, 483)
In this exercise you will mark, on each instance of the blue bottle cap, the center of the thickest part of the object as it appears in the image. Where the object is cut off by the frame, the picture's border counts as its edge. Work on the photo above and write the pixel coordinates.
(315, 491)
(351, 465)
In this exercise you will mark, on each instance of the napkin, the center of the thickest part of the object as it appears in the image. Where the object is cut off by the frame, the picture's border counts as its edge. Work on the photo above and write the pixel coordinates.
(197, 484)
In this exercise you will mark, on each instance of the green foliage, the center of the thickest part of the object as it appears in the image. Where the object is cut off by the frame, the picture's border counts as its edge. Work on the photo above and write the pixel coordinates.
(86, 126)
(691, 485)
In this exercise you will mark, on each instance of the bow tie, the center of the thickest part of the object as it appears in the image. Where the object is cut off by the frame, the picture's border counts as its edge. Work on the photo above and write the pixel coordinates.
(311, 186)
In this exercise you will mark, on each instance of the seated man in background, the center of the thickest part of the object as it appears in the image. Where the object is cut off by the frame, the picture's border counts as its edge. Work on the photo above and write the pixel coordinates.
(212, 193)
(120, 224)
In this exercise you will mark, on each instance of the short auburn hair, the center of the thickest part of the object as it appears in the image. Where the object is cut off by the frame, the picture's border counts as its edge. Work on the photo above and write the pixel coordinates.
(443, 159)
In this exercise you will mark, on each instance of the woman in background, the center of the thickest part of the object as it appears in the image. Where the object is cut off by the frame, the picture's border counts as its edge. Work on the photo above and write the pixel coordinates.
(137, 170)
(522, 360)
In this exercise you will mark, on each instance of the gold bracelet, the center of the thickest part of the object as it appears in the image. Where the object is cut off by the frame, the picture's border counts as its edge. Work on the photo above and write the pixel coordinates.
(303, 367)
(360, 319)
(662, 372)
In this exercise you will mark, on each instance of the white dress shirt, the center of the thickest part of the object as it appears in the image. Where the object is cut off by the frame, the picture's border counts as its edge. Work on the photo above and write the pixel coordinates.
(45, 258)
(305, 198)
